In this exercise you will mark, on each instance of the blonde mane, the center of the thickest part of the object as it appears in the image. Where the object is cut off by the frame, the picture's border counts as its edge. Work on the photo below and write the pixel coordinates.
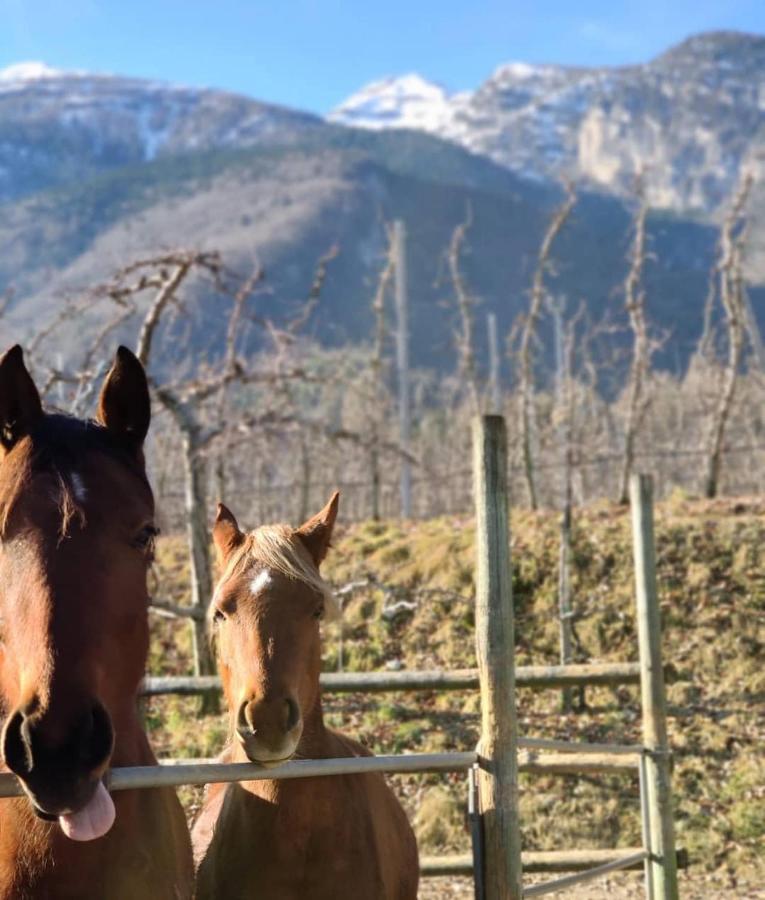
(277, 547)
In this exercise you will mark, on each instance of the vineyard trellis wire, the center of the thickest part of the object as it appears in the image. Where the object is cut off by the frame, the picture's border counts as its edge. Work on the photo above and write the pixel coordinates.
(428, 488)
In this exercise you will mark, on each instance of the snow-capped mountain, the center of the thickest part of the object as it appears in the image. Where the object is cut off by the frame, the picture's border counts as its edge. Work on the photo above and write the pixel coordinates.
(56, 126)
(19, 73)
(406, 102)
(96, 170)
(691, 118)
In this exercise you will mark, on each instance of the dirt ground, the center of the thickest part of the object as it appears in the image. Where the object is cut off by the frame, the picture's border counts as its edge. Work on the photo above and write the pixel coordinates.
(621, 886)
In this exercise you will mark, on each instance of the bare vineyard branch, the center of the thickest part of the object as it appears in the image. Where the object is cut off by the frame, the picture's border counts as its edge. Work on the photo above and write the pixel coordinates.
(634, 302)
(378, 310)
(377, 406)
(528, 333)
(171, 282)
(733, 296)
(465, 337)
(314, 294)
(568, 401)
(233, 330)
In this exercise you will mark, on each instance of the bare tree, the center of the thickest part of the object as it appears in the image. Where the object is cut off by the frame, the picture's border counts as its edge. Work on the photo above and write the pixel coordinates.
(402, 362)
(182, 404)
(195, 404)
(634, 302)
(732, 292)
(377, 407)
(704, 346)
(566, 407)
(528, 334)
(465, 338)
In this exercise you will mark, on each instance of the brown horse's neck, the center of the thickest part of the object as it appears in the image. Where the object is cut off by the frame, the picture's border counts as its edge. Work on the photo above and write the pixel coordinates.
(131, 745)
(313, 741)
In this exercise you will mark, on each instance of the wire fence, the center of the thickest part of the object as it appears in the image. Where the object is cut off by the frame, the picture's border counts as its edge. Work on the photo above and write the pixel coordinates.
(449, 492)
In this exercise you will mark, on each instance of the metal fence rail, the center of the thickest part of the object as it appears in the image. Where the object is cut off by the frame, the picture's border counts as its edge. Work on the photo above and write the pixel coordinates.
(535, 862)
(200, 773)
(579, 747)
(434, 680)
(551, 887)
(177, 772)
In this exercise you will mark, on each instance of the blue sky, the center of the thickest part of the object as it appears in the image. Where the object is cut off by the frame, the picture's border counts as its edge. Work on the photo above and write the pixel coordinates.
(313, 53)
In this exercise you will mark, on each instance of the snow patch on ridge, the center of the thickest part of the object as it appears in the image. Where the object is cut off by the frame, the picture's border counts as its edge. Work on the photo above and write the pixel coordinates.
(29, 71)
(519, 70)
(409, 101)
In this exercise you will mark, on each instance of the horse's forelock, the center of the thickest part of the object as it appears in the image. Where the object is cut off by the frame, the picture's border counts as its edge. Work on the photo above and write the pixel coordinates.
(276, 547)
(55, 451)
(64, 496)
(14, 477)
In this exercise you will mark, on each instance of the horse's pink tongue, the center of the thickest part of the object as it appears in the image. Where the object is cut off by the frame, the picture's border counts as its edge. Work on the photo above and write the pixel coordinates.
(93, 820)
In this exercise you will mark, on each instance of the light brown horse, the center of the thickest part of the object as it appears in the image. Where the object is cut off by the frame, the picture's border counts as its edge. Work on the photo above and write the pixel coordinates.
(76, 537)
(314, 838)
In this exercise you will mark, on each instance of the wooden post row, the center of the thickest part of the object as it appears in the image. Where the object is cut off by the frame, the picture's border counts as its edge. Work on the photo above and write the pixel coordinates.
(498, 756)
(662, 865)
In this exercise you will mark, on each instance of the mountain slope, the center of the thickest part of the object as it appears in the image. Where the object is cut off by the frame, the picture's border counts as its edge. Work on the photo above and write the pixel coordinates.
(289, 205)
(692, 118)
(99, 169)
(59, 127)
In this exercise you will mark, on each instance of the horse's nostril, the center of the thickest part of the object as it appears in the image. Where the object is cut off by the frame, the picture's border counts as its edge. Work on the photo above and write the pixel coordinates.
(29, 742)
(96, 739)
(244, 724)
(292, 714)
(30, 707)
(268, 720)
(84, 735)
(17, 750)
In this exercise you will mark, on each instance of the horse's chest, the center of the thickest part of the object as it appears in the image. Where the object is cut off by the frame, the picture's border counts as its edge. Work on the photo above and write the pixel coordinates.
(284, 852)
(122, 873)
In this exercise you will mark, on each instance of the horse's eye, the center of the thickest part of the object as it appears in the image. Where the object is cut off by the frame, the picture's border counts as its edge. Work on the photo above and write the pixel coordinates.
(319, 612)
(219, 616)
(145, 538)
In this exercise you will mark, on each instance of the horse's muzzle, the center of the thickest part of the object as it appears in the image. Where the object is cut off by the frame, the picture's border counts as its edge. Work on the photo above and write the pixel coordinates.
(61, 774)
(269, 730)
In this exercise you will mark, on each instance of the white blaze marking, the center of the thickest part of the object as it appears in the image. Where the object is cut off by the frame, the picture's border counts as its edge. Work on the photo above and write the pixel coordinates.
(78, 486)
(261, 581)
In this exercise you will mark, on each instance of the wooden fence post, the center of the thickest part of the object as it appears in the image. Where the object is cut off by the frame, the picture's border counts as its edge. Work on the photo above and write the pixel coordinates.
(498, 748)
(661, 830)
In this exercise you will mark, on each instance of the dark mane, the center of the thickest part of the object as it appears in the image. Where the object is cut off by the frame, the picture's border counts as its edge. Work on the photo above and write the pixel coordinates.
(56, 447)
(60, 440)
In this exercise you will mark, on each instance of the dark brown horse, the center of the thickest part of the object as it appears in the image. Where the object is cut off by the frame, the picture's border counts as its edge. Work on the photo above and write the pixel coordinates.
(314, 838)
(76, 536)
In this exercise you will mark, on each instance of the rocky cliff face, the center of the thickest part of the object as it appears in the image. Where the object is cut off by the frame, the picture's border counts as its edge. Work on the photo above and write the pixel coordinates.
(691, 118)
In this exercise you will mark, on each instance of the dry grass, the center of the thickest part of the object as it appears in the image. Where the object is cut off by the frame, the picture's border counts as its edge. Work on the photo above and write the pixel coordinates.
(712, 584)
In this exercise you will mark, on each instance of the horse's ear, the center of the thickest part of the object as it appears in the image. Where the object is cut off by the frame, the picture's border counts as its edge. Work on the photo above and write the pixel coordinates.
(124, 406)
(20, 406)
(316, 533)
(226, 534)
